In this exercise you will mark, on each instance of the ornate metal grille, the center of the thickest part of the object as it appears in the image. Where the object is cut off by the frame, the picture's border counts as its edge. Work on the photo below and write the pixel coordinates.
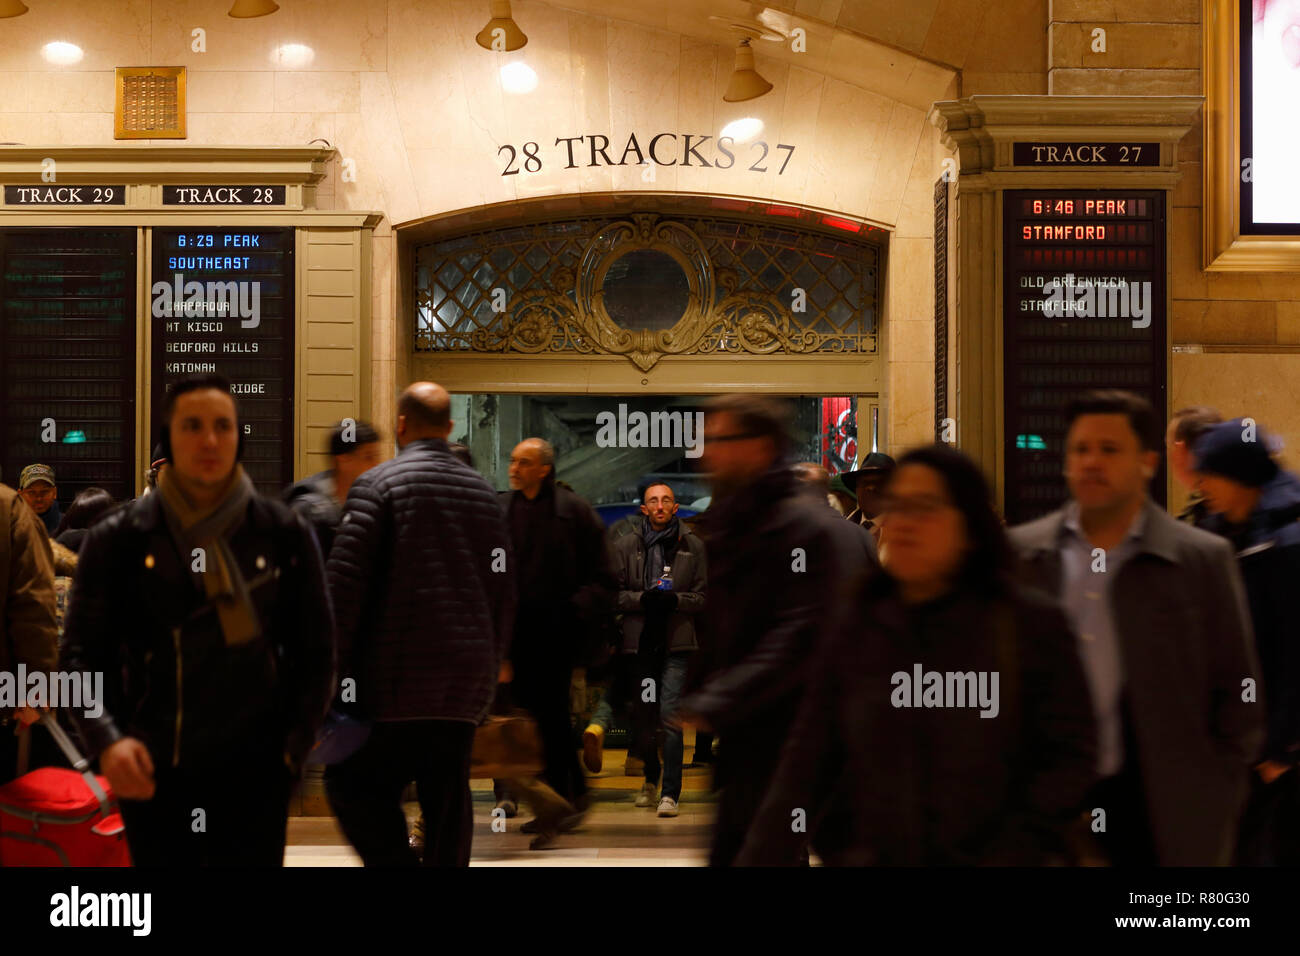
(753, 287)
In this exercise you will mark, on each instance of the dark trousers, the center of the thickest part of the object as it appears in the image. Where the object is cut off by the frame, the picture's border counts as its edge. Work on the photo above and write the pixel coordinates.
(541, 687)
(744, 777)
(232, 814)
(365, 792)
(1127, 839)
(1270, 825)
(703, 747)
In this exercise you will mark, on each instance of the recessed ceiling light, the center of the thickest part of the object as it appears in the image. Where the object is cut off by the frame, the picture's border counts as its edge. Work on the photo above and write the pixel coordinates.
(61, 53)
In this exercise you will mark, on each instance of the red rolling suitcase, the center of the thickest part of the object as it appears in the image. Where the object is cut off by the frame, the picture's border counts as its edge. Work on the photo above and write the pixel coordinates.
(58, 817)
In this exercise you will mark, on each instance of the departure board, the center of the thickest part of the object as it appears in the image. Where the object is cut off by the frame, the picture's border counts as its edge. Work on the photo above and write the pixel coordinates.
(67, 357)
(222, 301)
(1084, 308)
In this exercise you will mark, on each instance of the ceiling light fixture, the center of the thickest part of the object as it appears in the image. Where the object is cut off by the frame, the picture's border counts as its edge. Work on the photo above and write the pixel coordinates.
(501, 34)
(247, 9)
(745, 83)
(11, 8)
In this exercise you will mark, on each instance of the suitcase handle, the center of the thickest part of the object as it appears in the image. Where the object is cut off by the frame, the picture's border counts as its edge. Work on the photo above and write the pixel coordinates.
(79, 763)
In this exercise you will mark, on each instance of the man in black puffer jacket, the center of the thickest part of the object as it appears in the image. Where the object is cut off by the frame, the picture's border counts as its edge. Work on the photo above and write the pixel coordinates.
(203, 606)
(423, 584)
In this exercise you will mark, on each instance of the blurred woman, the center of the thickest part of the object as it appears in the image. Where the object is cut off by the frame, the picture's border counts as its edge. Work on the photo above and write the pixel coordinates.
(950, 710)
(87, 508)
(1255, 505)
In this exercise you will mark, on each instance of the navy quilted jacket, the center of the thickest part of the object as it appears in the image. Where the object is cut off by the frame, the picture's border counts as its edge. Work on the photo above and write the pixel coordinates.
(422, 579)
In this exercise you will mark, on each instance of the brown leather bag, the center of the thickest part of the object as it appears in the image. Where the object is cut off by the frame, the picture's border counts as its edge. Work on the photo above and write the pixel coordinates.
(505, 746)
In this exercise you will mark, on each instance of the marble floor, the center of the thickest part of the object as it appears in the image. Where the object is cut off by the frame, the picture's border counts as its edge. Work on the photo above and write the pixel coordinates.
(614, 833)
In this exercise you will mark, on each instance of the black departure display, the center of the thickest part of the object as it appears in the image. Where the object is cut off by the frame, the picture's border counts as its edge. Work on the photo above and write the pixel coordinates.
(1083, 308)
(67, 357)
(222, 301)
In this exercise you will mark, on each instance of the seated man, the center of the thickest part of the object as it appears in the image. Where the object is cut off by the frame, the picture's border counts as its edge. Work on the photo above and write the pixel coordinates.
(658, 632)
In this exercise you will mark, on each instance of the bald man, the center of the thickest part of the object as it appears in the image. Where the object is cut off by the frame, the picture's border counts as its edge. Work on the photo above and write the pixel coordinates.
(566, 587)
(422, 577)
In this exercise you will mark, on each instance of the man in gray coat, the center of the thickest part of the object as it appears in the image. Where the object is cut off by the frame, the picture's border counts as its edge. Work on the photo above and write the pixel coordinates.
(658, 632)
(1164, 636)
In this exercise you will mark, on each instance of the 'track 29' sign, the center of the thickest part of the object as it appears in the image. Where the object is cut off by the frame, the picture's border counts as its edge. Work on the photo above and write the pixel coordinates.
(687, 150)
(50, 195)
(223, 195)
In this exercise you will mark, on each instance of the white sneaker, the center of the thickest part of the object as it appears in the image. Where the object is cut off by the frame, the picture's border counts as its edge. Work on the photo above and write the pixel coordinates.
(646, 798)
(668, 807)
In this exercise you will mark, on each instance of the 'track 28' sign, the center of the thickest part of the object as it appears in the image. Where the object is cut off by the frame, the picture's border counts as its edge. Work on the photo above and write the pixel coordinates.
(223, 195)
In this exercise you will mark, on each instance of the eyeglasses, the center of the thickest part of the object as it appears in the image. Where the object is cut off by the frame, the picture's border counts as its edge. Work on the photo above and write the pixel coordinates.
(921, 508)
(737, 436)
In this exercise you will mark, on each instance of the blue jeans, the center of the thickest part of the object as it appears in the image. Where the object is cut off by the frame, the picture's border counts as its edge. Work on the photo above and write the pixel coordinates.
(625, 693)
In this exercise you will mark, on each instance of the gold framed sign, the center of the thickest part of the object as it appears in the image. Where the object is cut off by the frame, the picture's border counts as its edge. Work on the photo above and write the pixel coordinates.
(150, 102)
(1244, 96)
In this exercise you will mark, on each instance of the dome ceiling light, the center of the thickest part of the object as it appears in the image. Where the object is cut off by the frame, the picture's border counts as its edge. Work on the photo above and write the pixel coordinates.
(746, 83)
(247, 9)
(501, 32)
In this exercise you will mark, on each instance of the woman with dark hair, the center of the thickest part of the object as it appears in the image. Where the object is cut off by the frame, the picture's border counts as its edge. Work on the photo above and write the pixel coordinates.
(87, 508)
(950, 717)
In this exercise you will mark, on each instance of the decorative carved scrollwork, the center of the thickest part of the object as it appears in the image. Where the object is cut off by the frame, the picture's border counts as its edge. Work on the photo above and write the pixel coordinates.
(566, 312)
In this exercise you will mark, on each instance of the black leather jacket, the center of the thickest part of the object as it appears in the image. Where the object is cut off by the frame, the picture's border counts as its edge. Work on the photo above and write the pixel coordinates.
(169, 679)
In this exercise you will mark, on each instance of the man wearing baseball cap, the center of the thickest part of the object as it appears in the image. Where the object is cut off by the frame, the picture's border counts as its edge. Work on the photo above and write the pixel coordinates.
(36, 485)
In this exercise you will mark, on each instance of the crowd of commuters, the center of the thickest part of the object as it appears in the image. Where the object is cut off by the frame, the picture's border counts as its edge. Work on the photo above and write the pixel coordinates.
(893, 676)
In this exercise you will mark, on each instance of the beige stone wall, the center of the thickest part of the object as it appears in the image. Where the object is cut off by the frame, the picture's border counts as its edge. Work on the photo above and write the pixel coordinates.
(417, 111)
(400, 89)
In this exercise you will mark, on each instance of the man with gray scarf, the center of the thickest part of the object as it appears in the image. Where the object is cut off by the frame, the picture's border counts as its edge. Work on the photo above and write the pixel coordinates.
(658, 640)
(205, 609)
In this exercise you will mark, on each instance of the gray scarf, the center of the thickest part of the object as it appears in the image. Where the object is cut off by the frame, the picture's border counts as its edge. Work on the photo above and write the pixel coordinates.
(208, 530)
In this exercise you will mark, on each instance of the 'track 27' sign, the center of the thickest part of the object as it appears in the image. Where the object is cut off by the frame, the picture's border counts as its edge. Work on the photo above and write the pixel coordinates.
(1085, 154)
(687, 150)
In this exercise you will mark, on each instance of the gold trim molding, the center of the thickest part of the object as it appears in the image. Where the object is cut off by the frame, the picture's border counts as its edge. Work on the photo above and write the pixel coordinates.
(1224, 248)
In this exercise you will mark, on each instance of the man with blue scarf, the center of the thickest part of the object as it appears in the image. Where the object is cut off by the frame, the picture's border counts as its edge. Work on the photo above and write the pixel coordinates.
(658, 630)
